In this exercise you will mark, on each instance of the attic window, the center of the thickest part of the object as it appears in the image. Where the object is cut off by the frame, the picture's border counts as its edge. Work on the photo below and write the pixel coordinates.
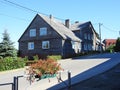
(43, 31)
(32, 32)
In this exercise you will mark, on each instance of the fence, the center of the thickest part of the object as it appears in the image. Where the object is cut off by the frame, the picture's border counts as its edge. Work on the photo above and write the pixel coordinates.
(15, 82)
(69, 79)
(8, 84)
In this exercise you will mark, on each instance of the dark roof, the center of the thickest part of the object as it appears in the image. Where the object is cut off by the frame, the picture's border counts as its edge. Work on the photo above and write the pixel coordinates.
(78, 26)
(60, 28)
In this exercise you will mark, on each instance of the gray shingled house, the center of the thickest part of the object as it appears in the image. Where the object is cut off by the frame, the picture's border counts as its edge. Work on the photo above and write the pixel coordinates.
(47, 36)
(86, 32)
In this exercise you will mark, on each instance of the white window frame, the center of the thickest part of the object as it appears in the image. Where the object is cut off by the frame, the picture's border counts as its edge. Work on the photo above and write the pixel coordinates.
(45, 44)
(30, 45)
(43, 31)
(32, 32)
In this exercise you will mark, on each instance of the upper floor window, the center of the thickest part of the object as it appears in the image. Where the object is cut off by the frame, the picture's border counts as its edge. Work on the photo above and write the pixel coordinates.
(85, 35)
(43, 31)
(30, 45)
(32, 32)
(89, 36)
(45, 45)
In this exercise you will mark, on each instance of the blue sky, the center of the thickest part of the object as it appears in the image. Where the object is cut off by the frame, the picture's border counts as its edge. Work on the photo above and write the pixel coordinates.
(16, 19)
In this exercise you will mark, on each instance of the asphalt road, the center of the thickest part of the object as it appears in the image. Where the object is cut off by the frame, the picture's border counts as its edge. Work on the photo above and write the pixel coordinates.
(76, 66)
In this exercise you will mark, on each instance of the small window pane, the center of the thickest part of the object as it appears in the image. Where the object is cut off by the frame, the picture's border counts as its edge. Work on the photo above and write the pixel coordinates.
(43, 31)
(85, 46)
(45, 45)
(73, 44)
(85, 36)
(32, 32)
(89, 36)
(30, 45)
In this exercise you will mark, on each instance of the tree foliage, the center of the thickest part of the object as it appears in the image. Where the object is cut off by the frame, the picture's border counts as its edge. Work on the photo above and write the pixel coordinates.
(6, 47)
(110, 48)
(117, 46)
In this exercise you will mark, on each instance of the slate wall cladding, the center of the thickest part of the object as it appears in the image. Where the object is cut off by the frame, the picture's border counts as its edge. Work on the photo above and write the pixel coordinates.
(59, 44)
(80, 33)
(53, 37)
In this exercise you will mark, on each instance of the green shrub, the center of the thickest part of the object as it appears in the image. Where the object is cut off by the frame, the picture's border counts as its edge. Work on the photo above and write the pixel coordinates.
(110, 48)
(36, 57)
(54, 57)
(25, 58)
(9, 63)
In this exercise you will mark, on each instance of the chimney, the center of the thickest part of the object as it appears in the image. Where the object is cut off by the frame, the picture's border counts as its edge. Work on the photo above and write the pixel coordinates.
(50, 16)
(67, 23)
(76, 21)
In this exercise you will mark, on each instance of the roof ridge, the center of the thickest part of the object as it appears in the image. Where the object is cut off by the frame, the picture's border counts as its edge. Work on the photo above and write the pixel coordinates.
(65, 32)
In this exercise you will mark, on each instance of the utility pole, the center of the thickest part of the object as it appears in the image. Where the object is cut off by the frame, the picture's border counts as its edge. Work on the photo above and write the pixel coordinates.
(100, 24)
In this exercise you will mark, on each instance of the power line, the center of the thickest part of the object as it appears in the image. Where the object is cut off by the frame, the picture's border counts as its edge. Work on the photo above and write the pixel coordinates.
(26, 8)
(18, 5)
(14, 17)
(109, 29)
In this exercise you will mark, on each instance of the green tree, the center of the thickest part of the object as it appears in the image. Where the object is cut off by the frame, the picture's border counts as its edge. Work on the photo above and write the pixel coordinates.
(110, 48)
(117, 46)
(6, 47)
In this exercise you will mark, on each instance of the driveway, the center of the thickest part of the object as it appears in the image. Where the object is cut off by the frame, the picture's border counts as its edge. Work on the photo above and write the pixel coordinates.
(81, 68)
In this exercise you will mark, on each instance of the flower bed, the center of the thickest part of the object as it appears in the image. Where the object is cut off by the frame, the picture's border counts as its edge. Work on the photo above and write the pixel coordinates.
(44, 69)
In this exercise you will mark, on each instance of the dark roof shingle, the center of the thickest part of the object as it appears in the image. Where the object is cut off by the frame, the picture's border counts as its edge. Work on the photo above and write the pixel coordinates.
(60, 28)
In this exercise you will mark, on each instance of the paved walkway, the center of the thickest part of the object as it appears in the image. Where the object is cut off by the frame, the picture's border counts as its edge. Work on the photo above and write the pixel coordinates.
(81, 69)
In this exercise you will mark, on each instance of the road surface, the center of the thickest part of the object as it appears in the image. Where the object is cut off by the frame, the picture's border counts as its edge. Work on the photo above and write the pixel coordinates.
(81, 68)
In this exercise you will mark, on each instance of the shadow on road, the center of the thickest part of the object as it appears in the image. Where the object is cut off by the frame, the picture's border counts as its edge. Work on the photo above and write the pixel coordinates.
(97, 56)
(114, 60)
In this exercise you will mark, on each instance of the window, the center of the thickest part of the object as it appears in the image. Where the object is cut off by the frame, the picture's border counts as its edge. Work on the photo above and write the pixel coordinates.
(89, 46)
(73, 44)
(43, 31)
(92, 37)
(32, 32)
(45, 45)
(85, 46)
(30, 45)
(89, 36)
(85, 36)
